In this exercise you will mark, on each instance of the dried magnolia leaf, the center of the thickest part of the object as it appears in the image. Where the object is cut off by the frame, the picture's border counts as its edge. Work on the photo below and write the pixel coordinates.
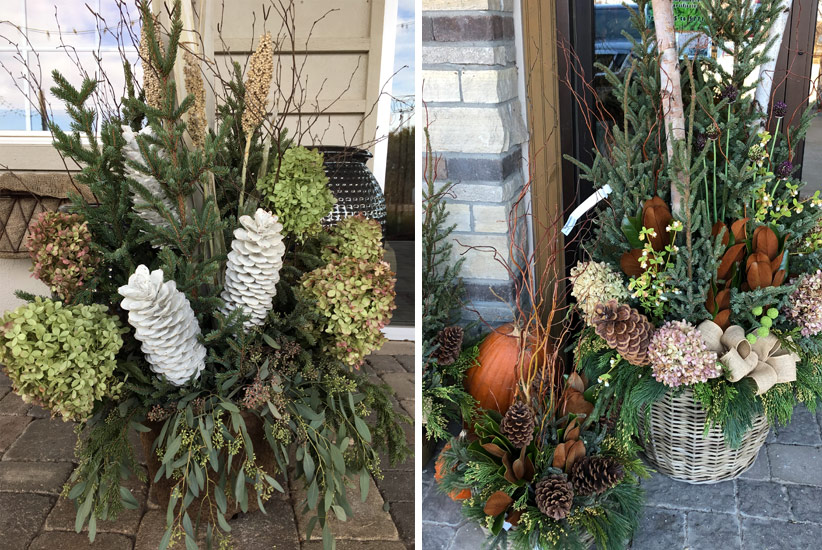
(494, 449)
(497, 504)
(576, 451)
(733, 255)
(559, 456)
(765, 241)
(657, 216)
(630, 263)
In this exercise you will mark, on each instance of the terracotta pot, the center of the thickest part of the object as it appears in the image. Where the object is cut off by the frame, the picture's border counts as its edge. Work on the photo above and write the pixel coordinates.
(162, 488)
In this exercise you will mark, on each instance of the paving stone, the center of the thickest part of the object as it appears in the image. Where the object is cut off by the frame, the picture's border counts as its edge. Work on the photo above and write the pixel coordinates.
(660, 529)
(664, 491)
(385, 363)
(802, 430)
(45, 440)
(34, 477)
(397, 486)
(151, 530)
(5, 381)
(62, 516)
(796, 464)
(470, 535)
(21, 518)
(407, 361)
(404, 518)
(13, 404)
(10, 429)
(36, 411)
(761, 469)
(353, 545)
(437, 537)
(806, 502)
(79, 541)
(259, 531)
(762, 499)
(408, 407)
(439, 508)
(369, 521)
(4, 390)
(769, 534)
(395, 347)
(401, 382)
(706, 529)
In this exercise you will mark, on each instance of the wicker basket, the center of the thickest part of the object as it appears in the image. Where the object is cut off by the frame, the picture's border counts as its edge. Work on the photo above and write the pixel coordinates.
(672, 435)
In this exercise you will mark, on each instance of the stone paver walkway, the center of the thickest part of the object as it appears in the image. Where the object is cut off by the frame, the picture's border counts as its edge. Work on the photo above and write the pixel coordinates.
(776, 505)
(36, 459)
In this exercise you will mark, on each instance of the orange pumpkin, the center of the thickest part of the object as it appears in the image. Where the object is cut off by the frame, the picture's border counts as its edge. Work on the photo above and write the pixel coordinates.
(438, 475)
(493, 379)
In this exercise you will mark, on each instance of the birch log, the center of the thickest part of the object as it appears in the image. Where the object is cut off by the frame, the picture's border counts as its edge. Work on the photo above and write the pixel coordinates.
(670, 91)
(764, 86)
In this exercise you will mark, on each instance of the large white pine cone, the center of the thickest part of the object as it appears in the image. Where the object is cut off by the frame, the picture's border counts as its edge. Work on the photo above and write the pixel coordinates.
(144, 209)
(253, 267)
(164, 322)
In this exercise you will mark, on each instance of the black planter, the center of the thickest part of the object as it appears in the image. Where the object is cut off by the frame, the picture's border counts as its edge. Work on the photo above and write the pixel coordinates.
(352, 183)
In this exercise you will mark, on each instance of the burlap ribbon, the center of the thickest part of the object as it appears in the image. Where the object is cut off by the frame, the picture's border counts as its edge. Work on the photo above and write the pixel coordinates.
(764, 361)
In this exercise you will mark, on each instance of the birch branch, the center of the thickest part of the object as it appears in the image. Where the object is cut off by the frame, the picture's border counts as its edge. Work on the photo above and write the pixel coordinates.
(670, 93)
(764, 86)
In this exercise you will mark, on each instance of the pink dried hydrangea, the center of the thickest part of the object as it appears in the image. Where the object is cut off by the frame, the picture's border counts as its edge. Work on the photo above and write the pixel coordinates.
(58, 244)
(679, 355)
(805, 308)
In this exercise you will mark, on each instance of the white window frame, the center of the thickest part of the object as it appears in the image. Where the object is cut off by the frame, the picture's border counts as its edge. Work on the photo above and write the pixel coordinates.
(33, 149)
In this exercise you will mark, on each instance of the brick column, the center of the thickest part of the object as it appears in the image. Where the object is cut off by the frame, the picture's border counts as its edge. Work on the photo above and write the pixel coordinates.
(476, 128)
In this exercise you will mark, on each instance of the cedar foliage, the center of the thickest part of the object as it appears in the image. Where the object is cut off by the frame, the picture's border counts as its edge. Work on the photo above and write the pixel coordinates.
(444, 398)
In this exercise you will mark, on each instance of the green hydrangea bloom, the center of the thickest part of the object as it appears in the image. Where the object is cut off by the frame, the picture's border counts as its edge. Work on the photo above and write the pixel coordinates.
(62, 357)
(299, 193)
(355, 237)
(356, 298)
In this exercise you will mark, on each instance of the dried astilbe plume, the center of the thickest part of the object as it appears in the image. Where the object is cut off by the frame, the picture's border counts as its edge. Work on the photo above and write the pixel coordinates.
(152, 86)
(257, 84)
(194, 85)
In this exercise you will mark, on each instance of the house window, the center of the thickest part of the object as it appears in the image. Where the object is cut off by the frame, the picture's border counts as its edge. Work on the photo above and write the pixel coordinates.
(38, 36)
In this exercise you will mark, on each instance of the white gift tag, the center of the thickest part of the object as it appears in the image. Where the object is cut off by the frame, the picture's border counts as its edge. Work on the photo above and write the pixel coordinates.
(586, 205)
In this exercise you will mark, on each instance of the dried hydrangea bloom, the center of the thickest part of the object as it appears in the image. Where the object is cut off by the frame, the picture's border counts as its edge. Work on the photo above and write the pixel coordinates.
(60, 248)
(679, 355)
(805, 307)
(596, 283)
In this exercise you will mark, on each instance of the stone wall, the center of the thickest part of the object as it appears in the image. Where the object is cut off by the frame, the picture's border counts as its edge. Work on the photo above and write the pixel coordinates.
(474, 111)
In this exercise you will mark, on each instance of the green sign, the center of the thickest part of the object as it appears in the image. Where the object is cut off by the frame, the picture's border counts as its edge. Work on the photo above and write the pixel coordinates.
(688, 24)
(686, 16)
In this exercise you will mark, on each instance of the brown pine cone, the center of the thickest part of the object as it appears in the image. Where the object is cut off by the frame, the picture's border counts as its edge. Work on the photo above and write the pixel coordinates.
(518, 425)
(625, 330)
(554, 495)
(450, 342)
(595, 474)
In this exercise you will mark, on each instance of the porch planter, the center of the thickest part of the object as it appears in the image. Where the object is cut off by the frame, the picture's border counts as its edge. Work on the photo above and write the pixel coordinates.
(672, 434)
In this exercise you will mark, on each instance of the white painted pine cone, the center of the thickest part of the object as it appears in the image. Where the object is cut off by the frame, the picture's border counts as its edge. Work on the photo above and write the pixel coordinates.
(144, 209)
(253, 267)
(165, 323)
